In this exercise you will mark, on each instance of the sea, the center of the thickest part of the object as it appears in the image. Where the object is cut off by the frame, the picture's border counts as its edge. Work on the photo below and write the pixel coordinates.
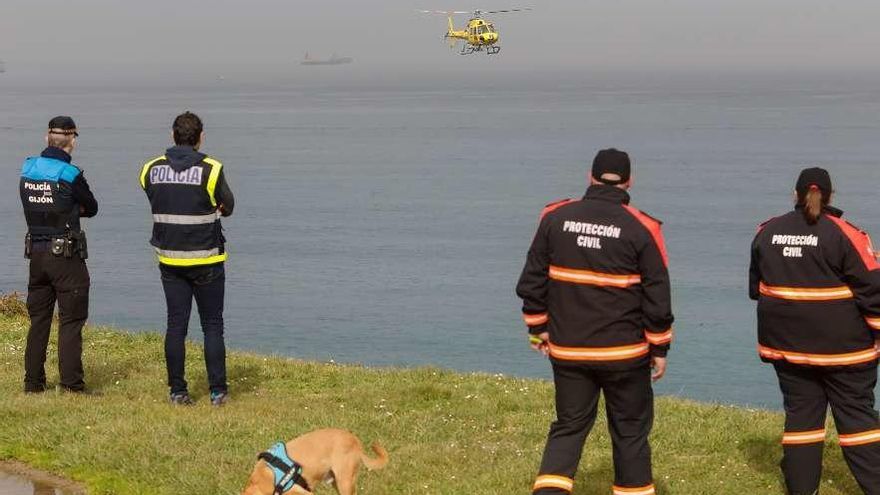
(386, 222)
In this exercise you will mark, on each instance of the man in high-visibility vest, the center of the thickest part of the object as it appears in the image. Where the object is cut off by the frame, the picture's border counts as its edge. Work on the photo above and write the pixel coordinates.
(188, 194)
(596, 299)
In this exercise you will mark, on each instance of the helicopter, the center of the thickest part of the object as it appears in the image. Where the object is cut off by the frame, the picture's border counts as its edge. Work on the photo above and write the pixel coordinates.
(479, 35)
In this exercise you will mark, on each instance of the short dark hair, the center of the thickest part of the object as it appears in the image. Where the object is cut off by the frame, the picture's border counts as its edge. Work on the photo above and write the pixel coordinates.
(187, 129)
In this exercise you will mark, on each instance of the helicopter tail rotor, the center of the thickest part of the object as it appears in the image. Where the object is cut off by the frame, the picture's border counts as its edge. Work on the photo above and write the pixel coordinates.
(452, 41)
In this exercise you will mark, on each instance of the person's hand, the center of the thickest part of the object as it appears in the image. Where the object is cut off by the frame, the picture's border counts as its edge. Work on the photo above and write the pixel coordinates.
(540, 343)
(658, 365)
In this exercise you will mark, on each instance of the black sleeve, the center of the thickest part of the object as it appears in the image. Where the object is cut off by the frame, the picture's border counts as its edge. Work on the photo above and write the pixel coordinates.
(754, 270)
(224, 195)
(82, 194)
(534, 281)
(657, 294)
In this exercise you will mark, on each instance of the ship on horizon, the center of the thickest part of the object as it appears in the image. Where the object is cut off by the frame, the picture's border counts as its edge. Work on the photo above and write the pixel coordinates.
(334, 60)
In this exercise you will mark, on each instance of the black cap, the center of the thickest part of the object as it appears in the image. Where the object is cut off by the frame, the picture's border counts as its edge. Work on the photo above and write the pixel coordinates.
(814, 176)
(611, 161)
(64, 124)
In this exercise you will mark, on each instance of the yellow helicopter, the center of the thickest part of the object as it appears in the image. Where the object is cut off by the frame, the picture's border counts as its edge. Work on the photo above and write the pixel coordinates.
(479, 35)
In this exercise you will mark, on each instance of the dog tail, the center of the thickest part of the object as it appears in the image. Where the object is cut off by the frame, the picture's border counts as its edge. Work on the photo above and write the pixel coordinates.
(379, 461)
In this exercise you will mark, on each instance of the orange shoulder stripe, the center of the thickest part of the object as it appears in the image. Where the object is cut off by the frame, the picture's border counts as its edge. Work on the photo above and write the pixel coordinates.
(555, 205)
(860, 241)
(653, 227)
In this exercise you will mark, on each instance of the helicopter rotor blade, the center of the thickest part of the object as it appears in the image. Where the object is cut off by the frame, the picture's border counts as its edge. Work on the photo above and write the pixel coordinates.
(506, 11)
(443, 12)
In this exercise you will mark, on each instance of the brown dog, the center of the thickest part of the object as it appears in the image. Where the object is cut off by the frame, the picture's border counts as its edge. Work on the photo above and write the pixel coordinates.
(325, 455)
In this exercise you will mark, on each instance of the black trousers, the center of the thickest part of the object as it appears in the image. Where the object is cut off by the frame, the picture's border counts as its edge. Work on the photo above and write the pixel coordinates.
(807, 393)
(65, 280)
(207, 285)
(629, 404)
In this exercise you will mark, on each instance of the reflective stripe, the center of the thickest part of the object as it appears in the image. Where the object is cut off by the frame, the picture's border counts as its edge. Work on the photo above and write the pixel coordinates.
(593, 278)
(862, 438)
(873, 322)
(599, 353)
(190, 258)
(642, 490)
(659, 338)
(186, 219)
(803, 437)
(805, 294)
(212, 179)
(819, 359)
(553, 481)
(193, 261)
(535, 320)
(146, 170)
(204, 253)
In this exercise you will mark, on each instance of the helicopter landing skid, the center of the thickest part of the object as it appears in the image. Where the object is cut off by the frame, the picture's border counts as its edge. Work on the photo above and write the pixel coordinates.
(490, 50)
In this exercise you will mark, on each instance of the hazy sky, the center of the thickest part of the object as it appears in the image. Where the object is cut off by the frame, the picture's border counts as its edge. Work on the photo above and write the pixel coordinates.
(170, 38)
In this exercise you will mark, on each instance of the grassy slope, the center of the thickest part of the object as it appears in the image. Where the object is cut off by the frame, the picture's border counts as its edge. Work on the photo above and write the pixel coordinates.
(448, 433)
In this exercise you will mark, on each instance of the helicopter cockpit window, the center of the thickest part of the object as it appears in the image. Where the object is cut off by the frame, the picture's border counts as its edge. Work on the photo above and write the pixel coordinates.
(490, 28)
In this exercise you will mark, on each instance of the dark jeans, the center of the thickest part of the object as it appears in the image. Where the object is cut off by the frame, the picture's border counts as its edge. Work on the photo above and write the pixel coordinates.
(206, 284)
(67, 281)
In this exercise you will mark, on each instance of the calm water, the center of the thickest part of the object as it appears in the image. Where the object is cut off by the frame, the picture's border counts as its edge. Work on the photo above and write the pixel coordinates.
(388, 226)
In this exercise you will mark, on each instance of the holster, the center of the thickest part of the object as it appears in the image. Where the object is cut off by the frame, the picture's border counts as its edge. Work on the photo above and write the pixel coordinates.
(28, 246)
(72, 243)
(81, 245)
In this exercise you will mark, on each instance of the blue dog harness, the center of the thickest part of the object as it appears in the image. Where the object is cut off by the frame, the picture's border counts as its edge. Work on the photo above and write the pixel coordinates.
(286, 471)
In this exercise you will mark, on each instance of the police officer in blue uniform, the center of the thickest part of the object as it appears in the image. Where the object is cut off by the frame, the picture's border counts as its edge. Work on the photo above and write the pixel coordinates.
(55, 195)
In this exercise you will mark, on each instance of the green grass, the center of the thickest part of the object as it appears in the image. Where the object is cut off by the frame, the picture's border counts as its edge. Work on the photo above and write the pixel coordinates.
(447, 432)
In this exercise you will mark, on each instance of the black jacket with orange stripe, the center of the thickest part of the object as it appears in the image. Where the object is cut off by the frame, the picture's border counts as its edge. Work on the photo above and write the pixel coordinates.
(596, 279)
(818, 291)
